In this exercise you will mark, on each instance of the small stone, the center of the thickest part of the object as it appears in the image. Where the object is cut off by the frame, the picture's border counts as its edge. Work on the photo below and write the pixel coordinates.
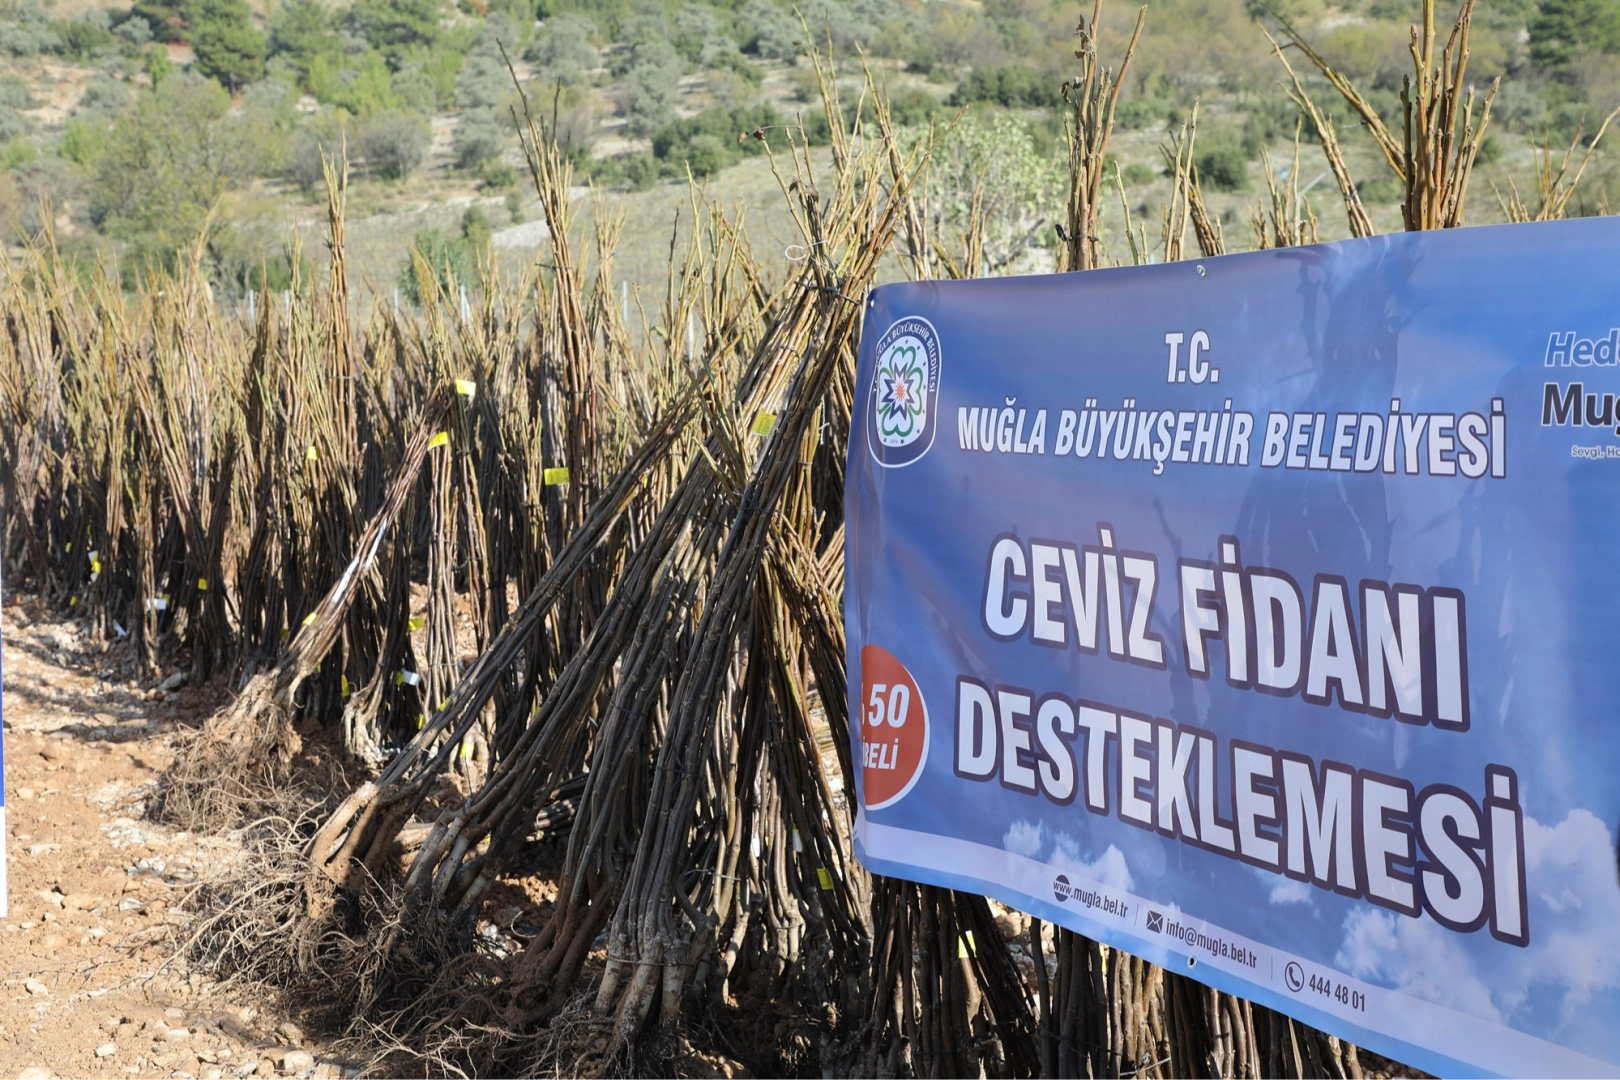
(176, 1034)
(213, 1074)
(35, 987)
(174, 1014)
(291, 1032)
(173, 682)
(296, 1062)
(129, 903)
(81, 901)
(106, 1050)
(35, 1072)
(24, 793)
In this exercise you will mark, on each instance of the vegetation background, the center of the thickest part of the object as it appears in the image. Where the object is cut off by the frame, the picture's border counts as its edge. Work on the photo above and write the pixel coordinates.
(140, 129)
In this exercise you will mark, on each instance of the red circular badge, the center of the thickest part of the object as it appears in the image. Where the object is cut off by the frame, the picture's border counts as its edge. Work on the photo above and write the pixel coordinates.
(893, 728)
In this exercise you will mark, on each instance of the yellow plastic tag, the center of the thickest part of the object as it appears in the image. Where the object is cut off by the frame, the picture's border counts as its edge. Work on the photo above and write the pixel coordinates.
(826, 878)
(399, 678)
(309, 618)
(70, 545)
(421, 721)
(95, 566)
(557, 475)
(416, 623)
(284, 634)
(966, 947)
(73, 601)
(466, 751)
(311, 454)
(343, 685)
(441, 439)
(763, 423)
(466, 387)
(202, 584)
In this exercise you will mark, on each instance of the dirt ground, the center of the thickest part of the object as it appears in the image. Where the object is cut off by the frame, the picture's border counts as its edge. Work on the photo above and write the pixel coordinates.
(90, 986)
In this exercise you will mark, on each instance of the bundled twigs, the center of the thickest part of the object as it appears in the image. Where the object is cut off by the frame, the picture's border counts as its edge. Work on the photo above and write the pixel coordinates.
(1554, 188)
(242, 756)
(559, 587)
(1288, 221)
(1091, 97)
(1186, 203)
(1435, 158)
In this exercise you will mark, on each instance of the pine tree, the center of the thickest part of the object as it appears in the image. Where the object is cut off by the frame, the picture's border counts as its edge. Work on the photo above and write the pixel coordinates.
(1563, 26)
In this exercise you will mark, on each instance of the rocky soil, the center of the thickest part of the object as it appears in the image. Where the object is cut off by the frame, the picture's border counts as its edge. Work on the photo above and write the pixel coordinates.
(89, 983)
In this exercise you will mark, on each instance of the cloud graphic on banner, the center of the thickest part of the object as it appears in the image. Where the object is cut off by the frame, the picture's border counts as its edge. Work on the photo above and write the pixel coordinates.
(1025, 838)
(1029, 839)
(1571, 874)
(1288, 891)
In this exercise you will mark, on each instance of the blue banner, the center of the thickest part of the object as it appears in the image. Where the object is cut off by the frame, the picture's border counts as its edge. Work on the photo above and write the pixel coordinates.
(1257, 616)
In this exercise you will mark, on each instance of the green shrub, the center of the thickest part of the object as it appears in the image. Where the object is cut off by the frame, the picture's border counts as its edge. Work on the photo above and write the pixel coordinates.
(83, 36)
(14, 100)
(641, 170)
(477, 138)
(497, 175)
(563, 51)
(1135, 113)
(1223, 168)
(449, 263)
(80, 141)
(708, 142)
(1013, 87)
(1381, 192)
(26, 31)
(706, 155)
(163, 165)
(476, 230)
(394, 144)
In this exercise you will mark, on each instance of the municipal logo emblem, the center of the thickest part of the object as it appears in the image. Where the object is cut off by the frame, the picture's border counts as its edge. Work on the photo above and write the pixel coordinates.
(905, 388)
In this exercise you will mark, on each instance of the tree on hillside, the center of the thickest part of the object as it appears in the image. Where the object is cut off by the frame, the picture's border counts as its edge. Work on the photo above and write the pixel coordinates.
(563, 50)
(228, 46)
(1562, 27)
(301, 30)
(394, 144)
(651, 69)
(164, 164)
(481, 88)
(163, 17)
(221, 32)
(393, 27)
